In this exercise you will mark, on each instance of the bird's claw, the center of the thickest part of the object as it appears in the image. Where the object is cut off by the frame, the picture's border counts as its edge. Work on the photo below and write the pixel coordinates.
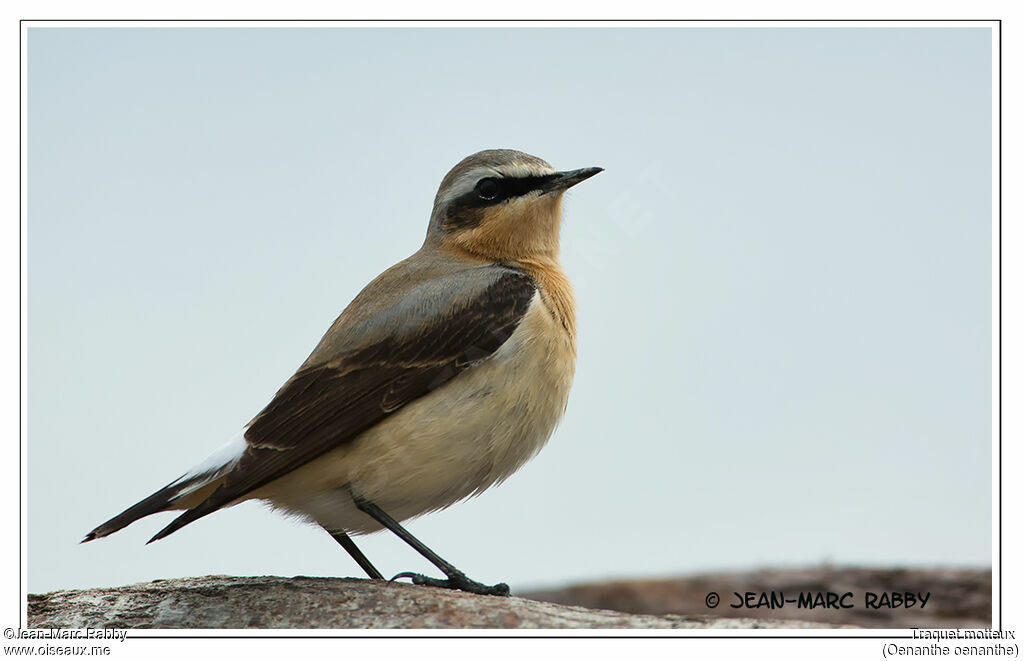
(456, 582)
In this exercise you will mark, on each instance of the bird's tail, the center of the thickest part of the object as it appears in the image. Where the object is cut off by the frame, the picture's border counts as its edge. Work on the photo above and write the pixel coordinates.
(207, 474)
(157, 502)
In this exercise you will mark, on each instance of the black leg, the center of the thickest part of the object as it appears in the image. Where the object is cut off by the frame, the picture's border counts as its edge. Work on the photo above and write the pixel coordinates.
(357, 555)
(456, 579)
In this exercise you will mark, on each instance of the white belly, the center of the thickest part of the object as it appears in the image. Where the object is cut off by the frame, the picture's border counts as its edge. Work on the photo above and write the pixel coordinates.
(472, 432)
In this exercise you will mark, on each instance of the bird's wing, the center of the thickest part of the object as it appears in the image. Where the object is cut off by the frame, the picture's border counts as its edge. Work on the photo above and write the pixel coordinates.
(330, 402)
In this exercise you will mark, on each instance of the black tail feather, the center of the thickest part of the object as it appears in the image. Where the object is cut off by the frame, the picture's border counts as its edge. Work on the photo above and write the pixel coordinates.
(187, 517)
(157, 502)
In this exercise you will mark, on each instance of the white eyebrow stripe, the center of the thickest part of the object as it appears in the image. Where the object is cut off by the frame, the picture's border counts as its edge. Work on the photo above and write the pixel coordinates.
(467, 181)
(515, 170)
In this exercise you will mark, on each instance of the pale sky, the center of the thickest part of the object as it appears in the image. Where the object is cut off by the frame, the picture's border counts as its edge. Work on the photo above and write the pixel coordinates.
(784, 280)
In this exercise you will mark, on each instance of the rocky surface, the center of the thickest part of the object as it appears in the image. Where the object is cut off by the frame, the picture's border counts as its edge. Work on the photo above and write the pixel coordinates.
(959, 597)
(224, 602)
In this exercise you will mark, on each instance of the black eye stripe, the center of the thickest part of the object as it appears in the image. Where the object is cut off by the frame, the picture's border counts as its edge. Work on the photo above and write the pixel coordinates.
(523, 185)
(508, 187)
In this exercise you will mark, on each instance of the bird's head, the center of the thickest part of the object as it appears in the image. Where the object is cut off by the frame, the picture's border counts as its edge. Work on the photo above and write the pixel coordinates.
(502, 205)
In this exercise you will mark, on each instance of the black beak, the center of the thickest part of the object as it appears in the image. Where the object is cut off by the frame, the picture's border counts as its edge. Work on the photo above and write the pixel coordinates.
(563, 180)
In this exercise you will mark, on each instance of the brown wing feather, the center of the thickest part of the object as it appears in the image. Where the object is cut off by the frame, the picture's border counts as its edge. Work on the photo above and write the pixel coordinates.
(326, 405)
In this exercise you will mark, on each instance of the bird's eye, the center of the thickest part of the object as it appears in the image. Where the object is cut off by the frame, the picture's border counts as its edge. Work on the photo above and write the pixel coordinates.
(488, 189)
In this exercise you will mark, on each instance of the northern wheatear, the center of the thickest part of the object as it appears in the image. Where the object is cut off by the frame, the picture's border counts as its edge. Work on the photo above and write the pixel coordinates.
(445, 375)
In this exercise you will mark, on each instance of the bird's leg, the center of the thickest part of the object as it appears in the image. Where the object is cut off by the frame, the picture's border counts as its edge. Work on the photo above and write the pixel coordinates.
(357, 555)
(456, 579)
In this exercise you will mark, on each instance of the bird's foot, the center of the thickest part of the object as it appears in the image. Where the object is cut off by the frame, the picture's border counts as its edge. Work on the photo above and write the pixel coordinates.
(456, 581)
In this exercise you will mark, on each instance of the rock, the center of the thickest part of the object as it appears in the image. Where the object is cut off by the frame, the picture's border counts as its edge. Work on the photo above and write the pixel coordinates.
(270, 602)
(959, 597)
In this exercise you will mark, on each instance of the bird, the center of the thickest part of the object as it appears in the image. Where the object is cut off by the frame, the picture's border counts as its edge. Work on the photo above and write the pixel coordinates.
(441, 378)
